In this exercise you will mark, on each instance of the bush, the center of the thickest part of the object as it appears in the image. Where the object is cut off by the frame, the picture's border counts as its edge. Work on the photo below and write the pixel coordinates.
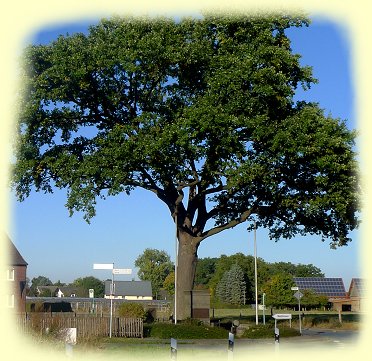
(184, 331)
(132, 310)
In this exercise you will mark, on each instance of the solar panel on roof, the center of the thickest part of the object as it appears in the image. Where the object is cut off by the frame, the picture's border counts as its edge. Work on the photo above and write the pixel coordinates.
(325, 286)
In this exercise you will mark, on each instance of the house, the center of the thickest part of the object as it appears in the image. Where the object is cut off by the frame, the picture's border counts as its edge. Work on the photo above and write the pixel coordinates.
(16, 277)
(129, 290)
(354, 300)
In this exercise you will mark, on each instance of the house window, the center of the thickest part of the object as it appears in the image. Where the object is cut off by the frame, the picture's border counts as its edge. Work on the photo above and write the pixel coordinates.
(10, 274)
(11, 301)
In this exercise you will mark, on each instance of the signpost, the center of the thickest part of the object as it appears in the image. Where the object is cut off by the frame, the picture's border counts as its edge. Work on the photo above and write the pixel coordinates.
(114, 271)
(299, 295)
(280, 316)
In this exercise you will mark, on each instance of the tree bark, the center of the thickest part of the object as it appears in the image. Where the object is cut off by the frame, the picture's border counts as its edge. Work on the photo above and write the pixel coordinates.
(186, 266)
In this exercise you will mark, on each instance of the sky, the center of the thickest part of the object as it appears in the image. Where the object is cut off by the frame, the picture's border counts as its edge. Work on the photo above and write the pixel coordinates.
(65, 248)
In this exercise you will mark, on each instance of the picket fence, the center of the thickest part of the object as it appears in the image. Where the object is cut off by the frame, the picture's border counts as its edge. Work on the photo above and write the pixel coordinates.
(86, 326)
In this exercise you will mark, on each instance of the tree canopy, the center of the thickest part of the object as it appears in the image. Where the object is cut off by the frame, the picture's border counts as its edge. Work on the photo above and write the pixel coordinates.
(199, 104)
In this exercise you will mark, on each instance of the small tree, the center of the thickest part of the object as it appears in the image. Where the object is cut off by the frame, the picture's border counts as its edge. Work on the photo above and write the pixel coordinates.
(89, 282)
(278, 290)
(232, 287)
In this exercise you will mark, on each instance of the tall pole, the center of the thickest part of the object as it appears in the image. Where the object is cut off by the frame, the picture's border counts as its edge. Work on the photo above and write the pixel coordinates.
(175, 272)
(255, 272)
(111, 297)
(299, 314)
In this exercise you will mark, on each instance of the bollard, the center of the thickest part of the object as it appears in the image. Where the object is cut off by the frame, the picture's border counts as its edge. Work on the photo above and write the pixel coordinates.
(173, 349)
(230, 348)
(276, 335)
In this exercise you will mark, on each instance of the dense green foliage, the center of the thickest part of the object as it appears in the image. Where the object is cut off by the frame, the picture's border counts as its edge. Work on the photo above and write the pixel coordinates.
(167, 105)
(232, 287)
(131, 310)
(209, 271)
(278, 291)
(90, 282)
(185, 331)
(154, 265)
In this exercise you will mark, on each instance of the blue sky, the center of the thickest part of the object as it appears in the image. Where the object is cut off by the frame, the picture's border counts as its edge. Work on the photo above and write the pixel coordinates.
(64, 248)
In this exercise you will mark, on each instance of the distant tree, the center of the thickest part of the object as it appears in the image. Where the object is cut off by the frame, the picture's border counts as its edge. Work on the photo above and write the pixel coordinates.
(59, 283)
(308, 270)
(278, 290)
(311, 299)
(168, 284)
(39, 281)
(299, 270)
(232, 287)
(85, 283)
(205, 269)
(154, 265)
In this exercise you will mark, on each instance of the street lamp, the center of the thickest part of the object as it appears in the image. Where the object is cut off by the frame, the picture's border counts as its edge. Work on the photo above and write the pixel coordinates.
(255, 272)
(175, 271)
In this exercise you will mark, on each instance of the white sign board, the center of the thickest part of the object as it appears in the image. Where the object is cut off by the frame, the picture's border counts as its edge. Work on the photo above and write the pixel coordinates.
(103, 266)
(70, 335)
(294, 288)
(122, 271)
(282, 316)
(91, 293)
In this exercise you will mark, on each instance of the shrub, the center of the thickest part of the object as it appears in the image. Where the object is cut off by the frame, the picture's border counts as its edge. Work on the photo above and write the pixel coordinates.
(185, 331)
(132, 310)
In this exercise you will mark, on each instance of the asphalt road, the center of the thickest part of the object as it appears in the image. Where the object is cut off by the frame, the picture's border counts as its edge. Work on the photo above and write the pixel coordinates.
(311, 339)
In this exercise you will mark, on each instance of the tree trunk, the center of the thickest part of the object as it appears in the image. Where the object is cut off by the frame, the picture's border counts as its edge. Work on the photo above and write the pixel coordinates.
(186, 266)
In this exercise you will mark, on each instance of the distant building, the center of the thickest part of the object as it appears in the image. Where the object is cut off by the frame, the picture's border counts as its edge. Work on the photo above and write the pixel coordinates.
(129, 290)
(355, 298)
(334, 289)
(330, 287)
(16, 277)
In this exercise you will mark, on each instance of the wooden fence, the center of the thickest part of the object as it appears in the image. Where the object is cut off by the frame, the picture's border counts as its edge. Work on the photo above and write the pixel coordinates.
(85, 325)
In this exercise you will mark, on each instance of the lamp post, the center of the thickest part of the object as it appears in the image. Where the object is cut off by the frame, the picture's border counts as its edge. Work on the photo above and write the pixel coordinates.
(175, 271)
(255, 272)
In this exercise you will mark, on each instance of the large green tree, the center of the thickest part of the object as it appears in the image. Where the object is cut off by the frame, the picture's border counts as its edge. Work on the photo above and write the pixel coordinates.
(199, 112)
